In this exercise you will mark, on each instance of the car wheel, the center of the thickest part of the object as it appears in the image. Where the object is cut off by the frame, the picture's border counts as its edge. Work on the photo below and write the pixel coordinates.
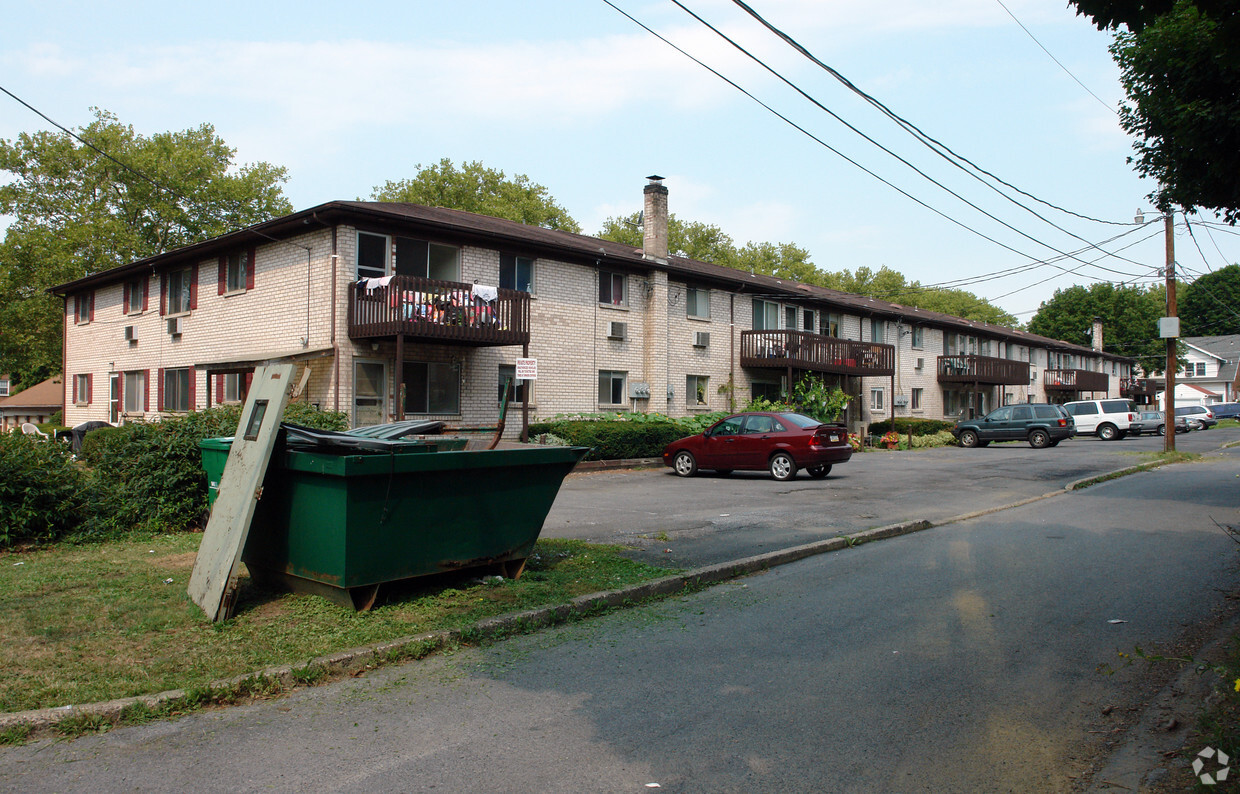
(1162, 430)
(819, 471)
(1108, 432)
(968, 438)
(1039, 439)
(723, 472)
(1193, 424)
(783, 467)
(684, 464)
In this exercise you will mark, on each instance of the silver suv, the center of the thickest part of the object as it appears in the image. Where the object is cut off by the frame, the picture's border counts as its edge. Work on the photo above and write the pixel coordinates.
(1108, 419)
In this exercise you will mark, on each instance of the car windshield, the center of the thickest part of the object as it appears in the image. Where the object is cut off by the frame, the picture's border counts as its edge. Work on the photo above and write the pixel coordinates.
(800, 420)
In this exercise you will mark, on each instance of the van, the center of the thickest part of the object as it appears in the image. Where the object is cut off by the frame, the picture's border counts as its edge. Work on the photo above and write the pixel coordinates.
(1107, 419)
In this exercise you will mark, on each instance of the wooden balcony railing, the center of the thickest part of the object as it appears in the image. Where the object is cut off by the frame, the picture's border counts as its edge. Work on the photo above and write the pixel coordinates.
(815, 352)
(1074, 380)
(983, 369)
(1137, 388)
(441, 311)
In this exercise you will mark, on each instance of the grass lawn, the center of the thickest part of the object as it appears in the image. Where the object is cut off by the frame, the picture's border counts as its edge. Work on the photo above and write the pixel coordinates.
(87, 623)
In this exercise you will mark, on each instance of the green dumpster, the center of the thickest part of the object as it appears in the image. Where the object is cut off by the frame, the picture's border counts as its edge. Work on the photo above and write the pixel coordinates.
(341, 525)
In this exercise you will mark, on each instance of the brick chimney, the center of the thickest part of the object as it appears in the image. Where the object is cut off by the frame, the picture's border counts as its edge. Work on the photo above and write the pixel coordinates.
(654, 220)
(1096, 333)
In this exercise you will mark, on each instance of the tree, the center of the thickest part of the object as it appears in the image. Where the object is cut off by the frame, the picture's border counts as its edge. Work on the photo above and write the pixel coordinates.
(890, 285)
(486, 191)
(1210, 306)
(76, 211)
(1180, 66)
(1129, 320)
(700, 241)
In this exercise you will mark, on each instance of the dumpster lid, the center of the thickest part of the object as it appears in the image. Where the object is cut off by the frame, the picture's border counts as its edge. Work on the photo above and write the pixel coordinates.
(306, 438)
(396, 430)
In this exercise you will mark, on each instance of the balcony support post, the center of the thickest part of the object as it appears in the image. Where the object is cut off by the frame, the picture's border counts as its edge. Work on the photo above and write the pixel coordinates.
(398, 377)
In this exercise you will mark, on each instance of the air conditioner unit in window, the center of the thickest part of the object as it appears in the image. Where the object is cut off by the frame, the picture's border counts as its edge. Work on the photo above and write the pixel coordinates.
(701, 338)
(129, 333)
(176, 326)
(617, 330)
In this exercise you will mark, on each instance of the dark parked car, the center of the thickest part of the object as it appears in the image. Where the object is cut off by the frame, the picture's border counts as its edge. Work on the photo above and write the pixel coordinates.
(1225, 410)
(1155, 422)
(1041, 424)
(780, 443)
(1198, 417)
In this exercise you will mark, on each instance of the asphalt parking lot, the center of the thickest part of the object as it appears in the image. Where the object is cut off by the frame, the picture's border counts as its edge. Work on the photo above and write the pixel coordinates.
(707, 519)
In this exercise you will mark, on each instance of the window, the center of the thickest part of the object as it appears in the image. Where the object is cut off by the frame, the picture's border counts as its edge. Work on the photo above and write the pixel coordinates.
(765, 315)
(697, 302)
(180, 290)
(878, 330)
(729, 427)
(1201, 369)
(918, 337)
(876, 399)
(807, 320)
(611, 387)
(516, 388)
(83, 307)
(953, 402)
(1022, 413)
(372, 255)
(611, 289)
(695, 390)
(516, 272)
(830, 324)
(1008, 398)
(983, 347)
(135, 392)
(915, 399)
(236, 271)
(761, 423)
(1001, 414)
(4, 386)
(431, 388)
(175, 396)
(766, 391)
(134, 299)
(234, 387)
(81, 389)
(790, 318)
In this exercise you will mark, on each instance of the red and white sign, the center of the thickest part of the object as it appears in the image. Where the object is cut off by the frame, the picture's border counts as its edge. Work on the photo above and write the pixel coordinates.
(527, 369)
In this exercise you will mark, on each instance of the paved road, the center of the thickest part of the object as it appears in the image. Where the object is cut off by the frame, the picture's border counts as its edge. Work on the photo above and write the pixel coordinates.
(710, 519)
(963, 658)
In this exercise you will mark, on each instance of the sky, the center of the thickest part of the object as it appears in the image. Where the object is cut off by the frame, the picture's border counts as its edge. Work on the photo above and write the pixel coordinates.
(584, 101)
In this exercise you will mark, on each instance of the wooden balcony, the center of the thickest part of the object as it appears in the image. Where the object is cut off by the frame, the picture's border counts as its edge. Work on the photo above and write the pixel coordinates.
(1140, 389)
(815, 352)
(1074, 380)
(447, 312)
(983, 369)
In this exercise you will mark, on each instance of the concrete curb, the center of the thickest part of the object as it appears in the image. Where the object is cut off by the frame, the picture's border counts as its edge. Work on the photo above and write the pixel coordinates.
(369, 656)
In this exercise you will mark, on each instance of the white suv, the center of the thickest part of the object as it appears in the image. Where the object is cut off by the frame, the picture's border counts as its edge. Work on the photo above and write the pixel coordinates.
(1109, 419)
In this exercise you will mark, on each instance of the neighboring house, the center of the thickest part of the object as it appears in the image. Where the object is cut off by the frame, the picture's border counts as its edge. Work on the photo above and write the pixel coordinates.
(36, 404)
(403, 310)
(1210, 370)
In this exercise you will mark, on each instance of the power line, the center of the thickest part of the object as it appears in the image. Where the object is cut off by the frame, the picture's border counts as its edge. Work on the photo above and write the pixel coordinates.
(1053, 58)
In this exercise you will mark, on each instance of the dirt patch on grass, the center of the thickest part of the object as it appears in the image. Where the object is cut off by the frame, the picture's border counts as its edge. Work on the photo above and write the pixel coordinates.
(183, 560)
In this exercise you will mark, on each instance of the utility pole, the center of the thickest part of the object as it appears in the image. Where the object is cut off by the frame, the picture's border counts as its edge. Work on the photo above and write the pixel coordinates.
(1170, 330)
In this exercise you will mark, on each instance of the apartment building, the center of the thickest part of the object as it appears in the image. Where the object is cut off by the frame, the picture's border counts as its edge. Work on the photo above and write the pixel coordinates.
(398, 310)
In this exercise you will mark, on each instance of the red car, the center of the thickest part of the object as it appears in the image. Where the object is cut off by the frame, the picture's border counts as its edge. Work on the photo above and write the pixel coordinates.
(780, 443)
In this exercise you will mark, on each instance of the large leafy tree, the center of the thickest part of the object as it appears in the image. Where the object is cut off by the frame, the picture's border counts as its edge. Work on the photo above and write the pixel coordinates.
(1210, 306)
(475, 188)
(78, 209)
(1129, 320)
(1180, 66)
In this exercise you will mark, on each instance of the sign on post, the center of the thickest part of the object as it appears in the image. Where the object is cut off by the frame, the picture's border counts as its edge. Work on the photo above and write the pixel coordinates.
(527, 369)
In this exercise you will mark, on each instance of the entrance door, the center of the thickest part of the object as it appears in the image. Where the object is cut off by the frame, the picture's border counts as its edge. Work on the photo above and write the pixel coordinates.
(114, 397)
(369, 392)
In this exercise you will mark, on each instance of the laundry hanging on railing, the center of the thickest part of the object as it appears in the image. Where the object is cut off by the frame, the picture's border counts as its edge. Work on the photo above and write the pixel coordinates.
(371, 284)
(486, 293)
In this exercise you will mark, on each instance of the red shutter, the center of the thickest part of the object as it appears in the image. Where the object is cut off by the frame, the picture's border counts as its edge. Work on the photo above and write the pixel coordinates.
(89, 389)
(193, 288)
(192, 390)
(249, 378)
(249, 269)
(159, 390)
(91, 310)
(146, 290)
(125, 299)
(146, 390)
(222, 285)
(163, 294)
(219, 388)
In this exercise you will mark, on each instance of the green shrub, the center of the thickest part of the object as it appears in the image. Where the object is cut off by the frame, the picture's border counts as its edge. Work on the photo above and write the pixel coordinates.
(940, 439)
(93, 441)
(614, 440)
(921, 427)
(43, 494)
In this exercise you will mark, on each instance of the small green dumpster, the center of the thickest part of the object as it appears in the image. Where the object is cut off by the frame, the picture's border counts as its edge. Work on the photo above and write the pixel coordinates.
(340, 525)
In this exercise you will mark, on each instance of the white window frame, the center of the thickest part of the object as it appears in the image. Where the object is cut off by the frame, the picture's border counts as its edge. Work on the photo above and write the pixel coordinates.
(81, 389)
(878, 330)
(180, 390)
(914, 402)
(697, 303)
(612, 281)
(877, 400)
(135, 392)
(518, 386)
(694, 384)
(232, 386)
(134, 288)
(515, 281)
(613, 377)
(829, 324)
(918, 337)
(180, 290)
(81, 307)
(767, 307)
(235, 271)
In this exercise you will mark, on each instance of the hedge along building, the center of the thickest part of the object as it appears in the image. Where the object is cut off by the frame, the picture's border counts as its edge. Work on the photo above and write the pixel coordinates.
(400, 310)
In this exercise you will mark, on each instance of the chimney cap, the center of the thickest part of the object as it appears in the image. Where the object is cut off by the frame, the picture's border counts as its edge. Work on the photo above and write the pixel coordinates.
(655, 178)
